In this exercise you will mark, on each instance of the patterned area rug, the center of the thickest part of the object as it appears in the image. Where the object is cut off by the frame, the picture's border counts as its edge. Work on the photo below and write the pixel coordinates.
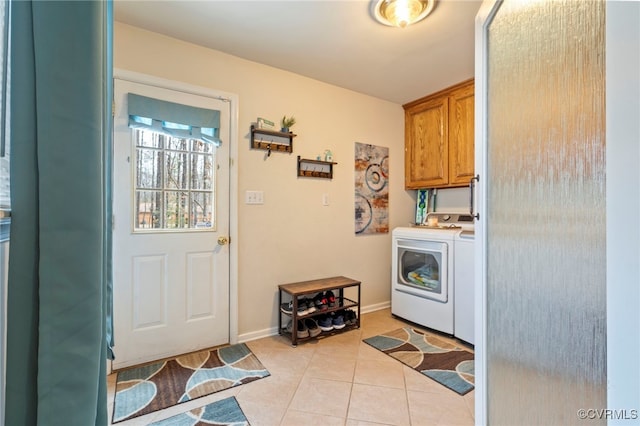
(443, 362)
(223, 412)
(152, 387)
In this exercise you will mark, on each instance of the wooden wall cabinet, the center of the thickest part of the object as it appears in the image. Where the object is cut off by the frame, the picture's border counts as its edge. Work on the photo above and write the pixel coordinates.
(439, 130)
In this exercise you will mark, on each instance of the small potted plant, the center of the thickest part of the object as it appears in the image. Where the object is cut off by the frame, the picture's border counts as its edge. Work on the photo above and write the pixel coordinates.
(287, 122)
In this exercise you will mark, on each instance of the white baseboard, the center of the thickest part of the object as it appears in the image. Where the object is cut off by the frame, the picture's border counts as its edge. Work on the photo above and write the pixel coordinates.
(377, 307)
(254, 335)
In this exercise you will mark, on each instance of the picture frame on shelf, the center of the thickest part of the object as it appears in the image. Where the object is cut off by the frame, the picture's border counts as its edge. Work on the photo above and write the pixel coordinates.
(263, 123)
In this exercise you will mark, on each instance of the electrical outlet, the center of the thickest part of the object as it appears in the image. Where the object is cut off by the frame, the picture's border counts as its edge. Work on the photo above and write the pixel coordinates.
(325, 199)
(254, 197)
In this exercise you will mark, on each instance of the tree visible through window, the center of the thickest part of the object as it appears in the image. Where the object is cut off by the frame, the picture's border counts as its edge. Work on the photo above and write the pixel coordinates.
(174, 185)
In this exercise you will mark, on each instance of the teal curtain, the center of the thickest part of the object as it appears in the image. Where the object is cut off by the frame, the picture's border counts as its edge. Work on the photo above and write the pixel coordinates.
(58, 290)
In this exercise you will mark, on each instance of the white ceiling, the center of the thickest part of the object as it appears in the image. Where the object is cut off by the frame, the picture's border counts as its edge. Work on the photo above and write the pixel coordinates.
(335, 41)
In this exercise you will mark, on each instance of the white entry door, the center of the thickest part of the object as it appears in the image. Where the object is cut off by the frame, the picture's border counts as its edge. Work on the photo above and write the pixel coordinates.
(171, 227)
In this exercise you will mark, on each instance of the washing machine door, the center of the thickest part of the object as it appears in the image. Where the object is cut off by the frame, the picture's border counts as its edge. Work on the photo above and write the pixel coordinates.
(421, 269)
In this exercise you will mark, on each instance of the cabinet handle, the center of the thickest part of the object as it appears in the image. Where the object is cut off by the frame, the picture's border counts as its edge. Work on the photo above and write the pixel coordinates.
(472, 190)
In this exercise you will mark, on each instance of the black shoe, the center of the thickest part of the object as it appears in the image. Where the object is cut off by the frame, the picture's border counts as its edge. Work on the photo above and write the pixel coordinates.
(311, 307)
(331, 299)
(287, 308)
(312, 326)
(320, 302)
(302, 330)
(350, 317)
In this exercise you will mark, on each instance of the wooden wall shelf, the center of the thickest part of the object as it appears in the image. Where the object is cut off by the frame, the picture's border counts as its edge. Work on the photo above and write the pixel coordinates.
(271, 140)
(315, 168)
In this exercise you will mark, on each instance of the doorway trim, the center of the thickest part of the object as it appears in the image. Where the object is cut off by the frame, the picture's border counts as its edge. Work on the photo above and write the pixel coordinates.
(485, 16)
(233, 100)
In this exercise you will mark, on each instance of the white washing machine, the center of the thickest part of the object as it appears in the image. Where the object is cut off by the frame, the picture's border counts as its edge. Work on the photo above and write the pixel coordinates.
(422, 288)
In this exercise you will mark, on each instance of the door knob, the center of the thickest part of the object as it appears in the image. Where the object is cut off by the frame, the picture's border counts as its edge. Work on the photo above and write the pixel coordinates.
(222, 241)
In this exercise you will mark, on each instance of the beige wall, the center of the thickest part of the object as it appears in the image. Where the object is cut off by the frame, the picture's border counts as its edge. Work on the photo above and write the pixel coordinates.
(292, 237)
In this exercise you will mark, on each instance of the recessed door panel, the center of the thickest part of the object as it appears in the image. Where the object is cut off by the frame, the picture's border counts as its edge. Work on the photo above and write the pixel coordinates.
(149, 291)
(200, 294)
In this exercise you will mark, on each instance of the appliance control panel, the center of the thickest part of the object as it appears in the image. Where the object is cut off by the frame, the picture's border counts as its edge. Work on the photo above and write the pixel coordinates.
(449, 220)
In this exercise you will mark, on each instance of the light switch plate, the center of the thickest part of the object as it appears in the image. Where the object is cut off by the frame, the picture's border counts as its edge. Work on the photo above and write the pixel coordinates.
(254, 197)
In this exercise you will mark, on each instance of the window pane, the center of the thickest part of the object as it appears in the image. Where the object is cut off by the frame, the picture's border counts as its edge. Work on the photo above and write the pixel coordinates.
(178, 144)
(148, 139)
(148, 206)
(201, 210)
(176, 170)
(199, 146)
(176, 209)
(201, 171)
(148, 168)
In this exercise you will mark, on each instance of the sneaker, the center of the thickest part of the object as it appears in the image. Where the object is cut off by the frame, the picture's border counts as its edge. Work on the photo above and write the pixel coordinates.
(301, 332)
(303, 306)
(320, 302)
(312, 326)
(311, 308)
(287, 308)
(337, 319)
(350, 317)
(331, 299)
(325, 323)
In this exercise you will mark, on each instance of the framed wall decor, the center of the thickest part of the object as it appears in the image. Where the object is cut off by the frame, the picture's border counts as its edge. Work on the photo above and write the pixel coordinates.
(371, 189)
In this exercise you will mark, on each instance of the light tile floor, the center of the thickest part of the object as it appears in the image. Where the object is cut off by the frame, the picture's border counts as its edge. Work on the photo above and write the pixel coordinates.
(337, 380)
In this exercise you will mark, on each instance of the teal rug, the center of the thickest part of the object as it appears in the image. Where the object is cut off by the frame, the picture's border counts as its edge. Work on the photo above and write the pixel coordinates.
(148, 388)
(447, 364)
(224, 412)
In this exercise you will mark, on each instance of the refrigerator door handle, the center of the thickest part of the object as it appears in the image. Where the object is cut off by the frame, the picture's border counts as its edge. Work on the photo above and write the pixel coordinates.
(472, 190)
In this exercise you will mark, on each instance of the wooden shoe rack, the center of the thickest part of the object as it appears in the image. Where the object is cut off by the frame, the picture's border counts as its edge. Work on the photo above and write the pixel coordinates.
(310, 289)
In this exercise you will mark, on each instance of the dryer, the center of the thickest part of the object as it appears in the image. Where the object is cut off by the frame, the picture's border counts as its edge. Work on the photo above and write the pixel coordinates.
(422, 288)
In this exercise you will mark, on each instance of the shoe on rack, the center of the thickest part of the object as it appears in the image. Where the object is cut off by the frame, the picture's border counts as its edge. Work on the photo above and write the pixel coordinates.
(301, 332)
(325, 323)
(337, 319)
(287, 308)
(320, 302)
(331, 299)
(311, 307)
(303, 306)
(312, 326)
(350, 317)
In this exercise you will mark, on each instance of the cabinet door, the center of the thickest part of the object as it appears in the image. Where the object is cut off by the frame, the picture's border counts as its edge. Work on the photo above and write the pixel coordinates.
(426, 148)
(461, 131)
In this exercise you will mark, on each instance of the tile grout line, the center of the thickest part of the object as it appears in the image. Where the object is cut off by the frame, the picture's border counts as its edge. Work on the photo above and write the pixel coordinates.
(298, 385)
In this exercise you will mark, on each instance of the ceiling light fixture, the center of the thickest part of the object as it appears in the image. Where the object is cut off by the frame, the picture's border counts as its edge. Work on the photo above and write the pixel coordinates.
(401, 13)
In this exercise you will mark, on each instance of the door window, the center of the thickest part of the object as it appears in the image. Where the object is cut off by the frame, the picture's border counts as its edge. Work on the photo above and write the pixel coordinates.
(174, 185)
